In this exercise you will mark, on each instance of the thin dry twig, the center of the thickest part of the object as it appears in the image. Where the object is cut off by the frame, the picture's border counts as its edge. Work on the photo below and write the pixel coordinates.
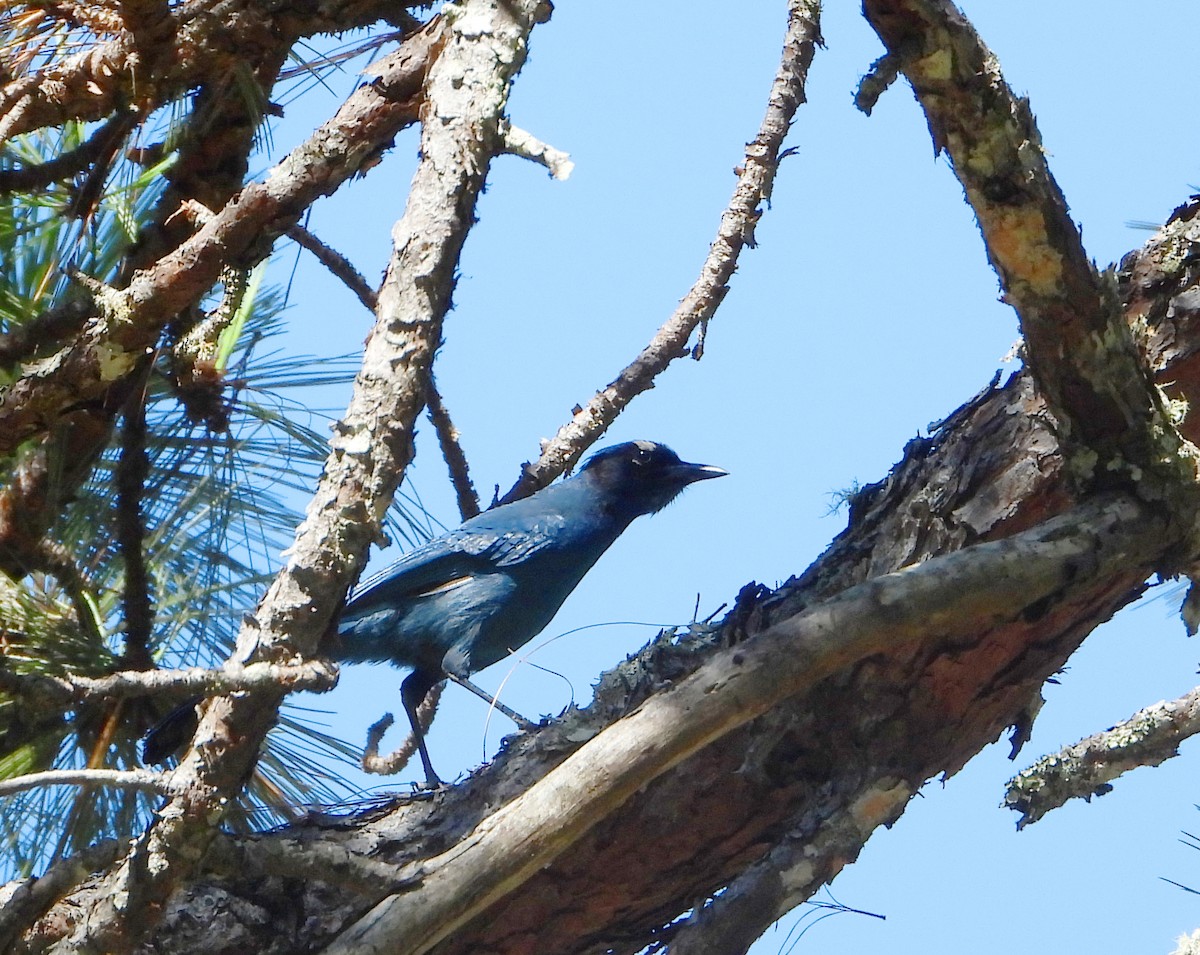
(337, 263)
(518, 142)
(398, 758)
(451, 445)
(756, 177)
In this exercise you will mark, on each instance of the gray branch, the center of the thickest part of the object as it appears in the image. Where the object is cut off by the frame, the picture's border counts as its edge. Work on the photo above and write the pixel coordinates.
(756, 178)
(115, 778)
(1086, 769)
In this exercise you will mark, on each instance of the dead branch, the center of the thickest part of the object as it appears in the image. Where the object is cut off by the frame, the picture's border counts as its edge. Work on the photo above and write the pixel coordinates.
(986, 586)
(1149, 737)
(1078, 346)
(23, 902)
(116, 778)
(452, 452)
(756, 178)
(341, 267)
(59, 691)
(398, 758)
(466, 91)
(71, 163)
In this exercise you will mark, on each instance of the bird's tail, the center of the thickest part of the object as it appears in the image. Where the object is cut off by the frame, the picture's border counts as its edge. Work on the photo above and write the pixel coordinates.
(172, 733)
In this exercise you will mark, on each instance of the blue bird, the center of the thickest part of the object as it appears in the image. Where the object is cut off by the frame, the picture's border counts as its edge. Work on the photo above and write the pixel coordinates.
(467, 599)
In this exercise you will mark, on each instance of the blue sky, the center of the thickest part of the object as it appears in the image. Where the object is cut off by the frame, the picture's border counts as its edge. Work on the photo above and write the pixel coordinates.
(867, 312)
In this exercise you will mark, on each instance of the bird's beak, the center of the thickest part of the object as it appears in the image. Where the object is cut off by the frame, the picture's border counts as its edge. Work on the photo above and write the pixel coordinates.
(688, 473)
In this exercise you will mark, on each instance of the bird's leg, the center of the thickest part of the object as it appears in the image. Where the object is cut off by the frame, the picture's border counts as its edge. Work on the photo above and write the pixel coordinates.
(412, 694)
(526, 725)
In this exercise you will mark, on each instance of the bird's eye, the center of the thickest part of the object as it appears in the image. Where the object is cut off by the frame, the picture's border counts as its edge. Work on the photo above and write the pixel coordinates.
(641, 456)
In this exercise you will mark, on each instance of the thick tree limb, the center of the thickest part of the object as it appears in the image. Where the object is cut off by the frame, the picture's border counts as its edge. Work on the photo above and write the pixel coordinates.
(1086, 769)
(983, 587)
(466, 92)
(756, 178)
(111, 343)
(211, 41)
(1079, 348)
(23, 902)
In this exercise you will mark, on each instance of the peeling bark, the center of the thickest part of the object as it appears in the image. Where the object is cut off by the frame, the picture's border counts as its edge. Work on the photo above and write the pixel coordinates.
(793, 730)
(801, 787)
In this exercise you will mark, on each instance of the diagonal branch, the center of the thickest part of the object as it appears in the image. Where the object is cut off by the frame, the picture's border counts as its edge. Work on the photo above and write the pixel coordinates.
(28, 899)
(111, 343)
(756, 178)
(466, 93)
(337, 263)
(1086, 769)
(986, 586)
(57, 691)
(452, 452)
(1078, 346)
(103, 140)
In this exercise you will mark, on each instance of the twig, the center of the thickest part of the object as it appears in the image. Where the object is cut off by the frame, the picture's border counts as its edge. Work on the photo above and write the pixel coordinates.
(337, 263)
(116, 778)
(879, 77)
(1086, 769)
(756, 177)
(518, 142)
(456, 460)
(398, 758)
(57, 560)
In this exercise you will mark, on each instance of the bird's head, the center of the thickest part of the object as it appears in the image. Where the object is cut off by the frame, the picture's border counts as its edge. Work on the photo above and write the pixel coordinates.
(641, 477)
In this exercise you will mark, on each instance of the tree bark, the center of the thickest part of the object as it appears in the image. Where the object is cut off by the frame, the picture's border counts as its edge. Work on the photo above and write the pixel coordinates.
(815, 773)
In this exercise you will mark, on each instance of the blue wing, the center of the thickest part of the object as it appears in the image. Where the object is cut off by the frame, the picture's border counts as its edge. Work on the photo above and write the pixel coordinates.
(486, 544)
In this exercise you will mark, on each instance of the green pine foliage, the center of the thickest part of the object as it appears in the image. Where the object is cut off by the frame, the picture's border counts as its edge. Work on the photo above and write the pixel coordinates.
(233, 454)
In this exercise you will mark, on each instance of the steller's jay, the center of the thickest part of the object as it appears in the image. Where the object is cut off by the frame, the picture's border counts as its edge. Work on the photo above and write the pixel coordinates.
(465, 600)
